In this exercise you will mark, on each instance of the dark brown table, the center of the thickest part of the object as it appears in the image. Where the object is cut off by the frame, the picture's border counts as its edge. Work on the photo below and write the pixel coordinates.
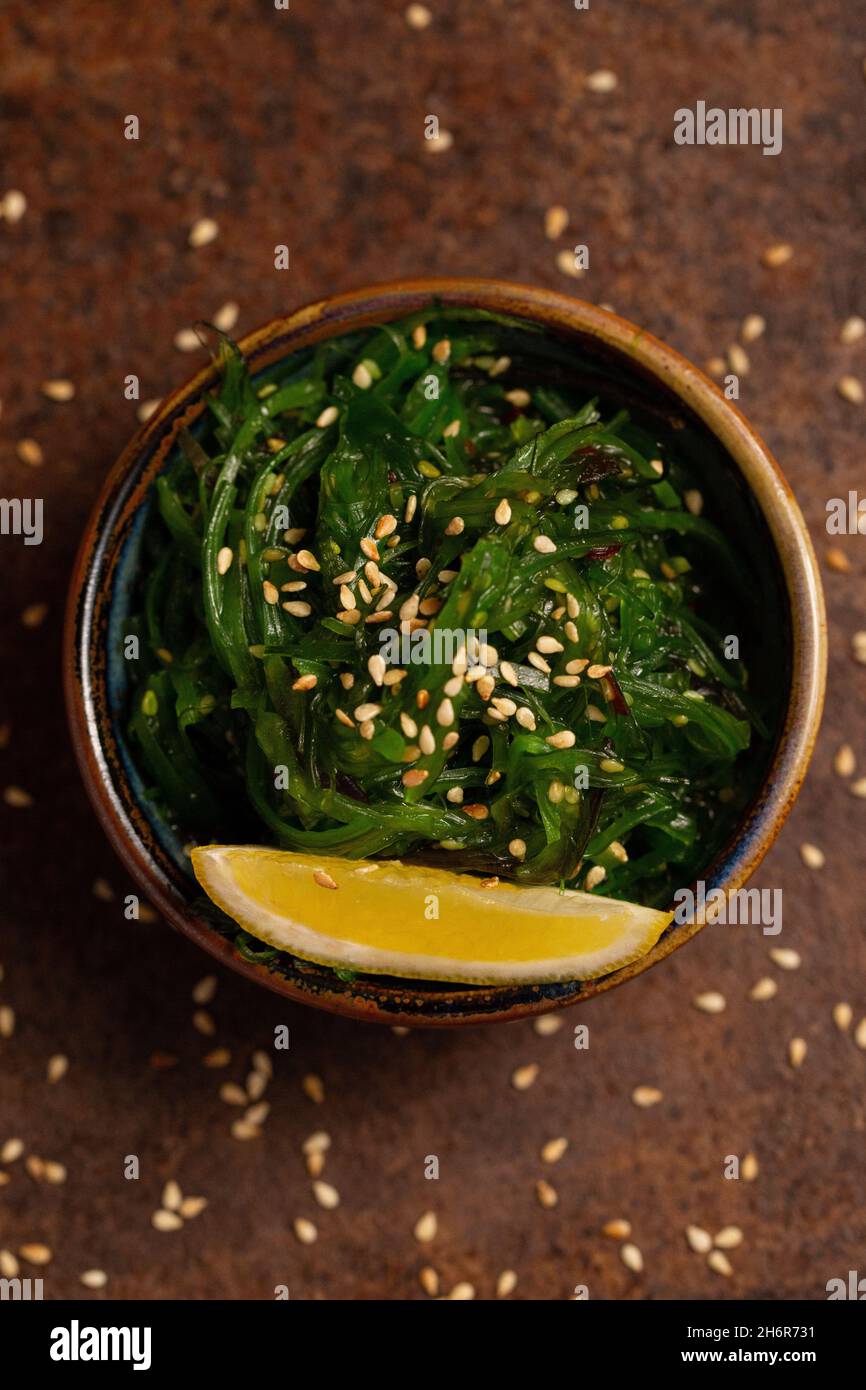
(306, 128)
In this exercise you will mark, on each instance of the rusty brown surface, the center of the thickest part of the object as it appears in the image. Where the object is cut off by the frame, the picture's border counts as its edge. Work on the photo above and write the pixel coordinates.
(306, 128)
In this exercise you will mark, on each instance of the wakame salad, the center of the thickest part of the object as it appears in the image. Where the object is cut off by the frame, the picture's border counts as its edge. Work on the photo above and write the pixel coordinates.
(415, 593)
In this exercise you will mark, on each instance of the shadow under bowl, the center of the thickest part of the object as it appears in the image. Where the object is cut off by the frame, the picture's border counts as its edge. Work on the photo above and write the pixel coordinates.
(743, 486)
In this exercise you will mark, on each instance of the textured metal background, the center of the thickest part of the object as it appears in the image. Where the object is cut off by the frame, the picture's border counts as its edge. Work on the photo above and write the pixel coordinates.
(306, 128)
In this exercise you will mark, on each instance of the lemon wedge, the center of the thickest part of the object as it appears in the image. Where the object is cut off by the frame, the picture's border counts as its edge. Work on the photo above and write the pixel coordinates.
(387, 918)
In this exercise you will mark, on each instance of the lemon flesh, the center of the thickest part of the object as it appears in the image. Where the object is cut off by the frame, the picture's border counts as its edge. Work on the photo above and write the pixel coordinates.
(388, 918)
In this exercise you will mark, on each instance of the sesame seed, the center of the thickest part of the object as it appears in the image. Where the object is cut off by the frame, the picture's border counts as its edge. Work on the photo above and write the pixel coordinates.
(366, 711)
(797, 1051)
(11, 1150)
(318, 1142)
(844, 762)
(232, 1094)
(617, 1229)
(418, 17)
(505, 706)
(843, 1015)
(426, 741)
(166, 1221)
(537, 660)
(191, 1207)
(441, 350)
(450, 432)
(445, 713)
(58, 389)
(429, 1280)
(786, 957)
(544, 545)
(344, 718)
(415, 776)
(852, 330)
(36, 1253)
(94, 1278)
(376, 667)
(297, 608)
(523, 1077)
(226, 316)
(728, 1238)
(454, 795)
(13, 205)
(171, 1195)
(462, 1292)
(860, 1034)
(480, 747)
(563, 739)
(419, 332)
(719, 1263)
(224, 559)
(323, 879)
(631, 1258)
(518, 398)
(146, 409)
(327, 1196)
(546, 1194)
(555, 792)
(517, 848)
(506, 1283)
(385, 526)
(553, 1150)
(546, 1024)
(851, 390)
(812, 857)
(244, 1130)
(307, 682)
(596, 672)
(710, 1003)
(219, 1057)
(203, 232)
(362, 376)
(749, 1168)
(699, 1240)
(777, 255)
(837, 561)
(295, 534)
(409, 727)
(425, 1228)
(738, 360)
(502, 515)
(270, 592)
(30, 452)
(547, 645)
(307, 559)
(763, 989)
(601, 81)
(477, 811)
(7, 1021)
(752, 328)
(555, 222)
(645, 1096)
(567, 682)
(327, 417)
(305, 1230)
(58, 1066)
(455, 527)
(187, 340)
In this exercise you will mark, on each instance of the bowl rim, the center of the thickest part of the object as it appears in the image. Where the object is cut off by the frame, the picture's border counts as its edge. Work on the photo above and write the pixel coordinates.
(324, 318)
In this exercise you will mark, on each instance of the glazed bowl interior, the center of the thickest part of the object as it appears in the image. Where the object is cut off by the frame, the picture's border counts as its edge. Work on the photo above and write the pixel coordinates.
(782, 629)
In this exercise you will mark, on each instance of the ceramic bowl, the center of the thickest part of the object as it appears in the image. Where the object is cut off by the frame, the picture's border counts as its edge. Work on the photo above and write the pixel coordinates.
(95, 679)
